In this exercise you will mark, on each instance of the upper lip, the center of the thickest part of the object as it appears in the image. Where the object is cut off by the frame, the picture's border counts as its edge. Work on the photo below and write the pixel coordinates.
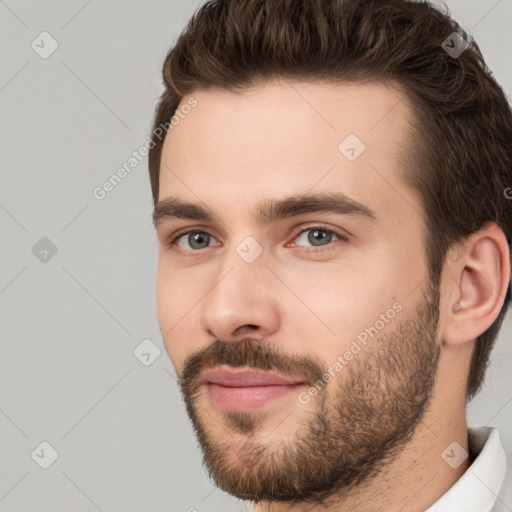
(243, 377)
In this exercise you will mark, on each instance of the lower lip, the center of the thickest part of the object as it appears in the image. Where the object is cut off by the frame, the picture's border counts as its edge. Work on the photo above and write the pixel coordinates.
(247, 398)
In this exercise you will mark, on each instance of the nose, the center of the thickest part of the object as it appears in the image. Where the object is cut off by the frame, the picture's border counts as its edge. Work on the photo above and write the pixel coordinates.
(242, 301)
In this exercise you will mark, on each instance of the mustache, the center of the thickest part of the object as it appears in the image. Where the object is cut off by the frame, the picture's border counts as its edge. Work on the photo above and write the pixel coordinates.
(251, 353)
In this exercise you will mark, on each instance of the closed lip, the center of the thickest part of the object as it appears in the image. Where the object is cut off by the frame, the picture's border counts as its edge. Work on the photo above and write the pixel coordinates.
(240, 377)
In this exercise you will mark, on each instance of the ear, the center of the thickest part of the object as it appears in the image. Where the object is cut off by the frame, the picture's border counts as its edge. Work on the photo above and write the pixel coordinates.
(477, 277)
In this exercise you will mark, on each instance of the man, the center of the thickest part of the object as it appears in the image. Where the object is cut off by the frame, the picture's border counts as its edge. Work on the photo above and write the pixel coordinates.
(334, 225)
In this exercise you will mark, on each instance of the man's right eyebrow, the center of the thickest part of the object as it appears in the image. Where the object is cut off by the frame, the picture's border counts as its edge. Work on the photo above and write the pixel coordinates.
(174, 208)
(269, 211)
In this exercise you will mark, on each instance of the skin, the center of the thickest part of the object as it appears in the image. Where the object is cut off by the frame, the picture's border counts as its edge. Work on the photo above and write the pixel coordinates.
(230, 153)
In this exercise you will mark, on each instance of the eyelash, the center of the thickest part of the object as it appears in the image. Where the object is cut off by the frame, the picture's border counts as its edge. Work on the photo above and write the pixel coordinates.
(172, 243)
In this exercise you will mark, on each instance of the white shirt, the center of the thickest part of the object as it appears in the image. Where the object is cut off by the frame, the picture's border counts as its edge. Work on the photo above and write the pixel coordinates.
(486, 486)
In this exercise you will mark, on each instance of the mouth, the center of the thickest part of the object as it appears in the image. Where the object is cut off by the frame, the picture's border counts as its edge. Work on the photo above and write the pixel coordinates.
(243, 389)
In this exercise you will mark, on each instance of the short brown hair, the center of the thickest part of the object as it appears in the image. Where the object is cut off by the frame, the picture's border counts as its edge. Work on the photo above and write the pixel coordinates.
(462, 161)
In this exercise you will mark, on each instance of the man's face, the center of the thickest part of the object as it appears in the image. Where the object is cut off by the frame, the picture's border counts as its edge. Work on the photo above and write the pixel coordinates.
(338, 301)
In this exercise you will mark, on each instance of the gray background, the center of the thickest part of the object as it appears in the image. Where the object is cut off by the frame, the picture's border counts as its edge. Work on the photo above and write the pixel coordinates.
(70, 325)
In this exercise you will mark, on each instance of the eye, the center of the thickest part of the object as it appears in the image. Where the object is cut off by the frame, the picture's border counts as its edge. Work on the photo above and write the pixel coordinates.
(318, 237)
(196, 240)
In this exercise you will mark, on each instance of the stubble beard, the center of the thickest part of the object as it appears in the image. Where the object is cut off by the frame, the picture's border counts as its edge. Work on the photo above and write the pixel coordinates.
(352, 430)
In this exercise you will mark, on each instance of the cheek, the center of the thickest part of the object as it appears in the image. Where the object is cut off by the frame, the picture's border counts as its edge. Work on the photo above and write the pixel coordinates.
(165, 299)
(337, 304)
(176, 293)
(172, 305)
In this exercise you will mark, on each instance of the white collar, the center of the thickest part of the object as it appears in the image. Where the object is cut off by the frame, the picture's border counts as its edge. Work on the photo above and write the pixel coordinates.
(478, 488)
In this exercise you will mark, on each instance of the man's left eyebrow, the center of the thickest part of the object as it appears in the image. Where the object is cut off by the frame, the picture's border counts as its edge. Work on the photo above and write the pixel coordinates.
(271, 210)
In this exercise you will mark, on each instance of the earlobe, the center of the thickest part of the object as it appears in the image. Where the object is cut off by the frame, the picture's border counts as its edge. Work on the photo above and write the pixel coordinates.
(479, 285)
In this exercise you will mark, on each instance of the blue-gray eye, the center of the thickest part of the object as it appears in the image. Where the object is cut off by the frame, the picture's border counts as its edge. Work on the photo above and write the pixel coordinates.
(321, 235)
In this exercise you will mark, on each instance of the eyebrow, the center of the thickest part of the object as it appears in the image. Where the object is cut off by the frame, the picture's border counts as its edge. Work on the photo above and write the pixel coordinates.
(270, 210)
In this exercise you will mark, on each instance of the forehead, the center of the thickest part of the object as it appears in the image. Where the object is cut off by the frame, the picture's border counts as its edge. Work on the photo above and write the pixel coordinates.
(233, 150)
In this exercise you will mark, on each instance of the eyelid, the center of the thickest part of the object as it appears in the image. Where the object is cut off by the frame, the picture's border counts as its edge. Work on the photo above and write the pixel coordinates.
(320, 227)
(185, 231)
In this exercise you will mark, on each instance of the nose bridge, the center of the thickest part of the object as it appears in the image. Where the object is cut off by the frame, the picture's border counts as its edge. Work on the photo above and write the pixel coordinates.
(239, 277)
(243, 267)
(239, 294)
